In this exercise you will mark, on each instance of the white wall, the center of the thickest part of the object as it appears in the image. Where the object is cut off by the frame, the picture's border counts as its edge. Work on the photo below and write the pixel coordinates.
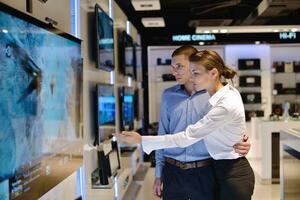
(17, 4)
(93, 76)
(61, 14)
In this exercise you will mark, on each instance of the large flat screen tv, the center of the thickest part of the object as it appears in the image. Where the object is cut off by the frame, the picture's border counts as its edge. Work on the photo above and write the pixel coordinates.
(40, 87)
(106, 119)
(128, 59)
(126, 95)
(104, 40)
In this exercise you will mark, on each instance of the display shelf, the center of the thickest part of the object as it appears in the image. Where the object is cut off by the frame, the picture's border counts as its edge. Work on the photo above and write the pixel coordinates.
(252, 104)
(286, 95)
(286, 73)
(166, 65)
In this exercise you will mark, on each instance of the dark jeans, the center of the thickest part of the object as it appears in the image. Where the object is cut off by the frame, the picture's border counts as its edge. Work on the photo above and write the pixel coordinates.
(235, 179)
(189, 184)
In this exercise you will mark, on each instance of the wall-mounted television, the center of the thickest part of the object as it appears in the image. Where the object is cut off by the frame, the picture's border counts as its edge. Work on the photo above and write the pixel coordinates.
(106, 104)
(126, 100)
(127, 55)
(104, 40)
(40, 87)
(139, 69)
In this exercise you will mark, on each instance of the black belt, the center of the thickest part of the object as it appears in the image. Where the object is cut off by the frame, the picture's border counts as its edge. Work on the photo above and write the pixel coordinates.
(189, 165)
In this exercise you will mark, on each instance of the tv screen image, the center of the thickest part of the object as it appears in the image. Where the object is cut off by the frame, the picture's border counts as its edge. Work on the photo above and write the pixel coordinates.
(40, 85)
(126, 101)
(106, 112)
(105, 40)
(128, 110)
(129, 55)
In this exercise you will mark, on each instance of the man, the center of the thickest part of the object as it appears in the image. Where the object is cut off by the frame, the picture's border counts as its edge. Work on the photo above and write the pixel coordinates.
(185, 173)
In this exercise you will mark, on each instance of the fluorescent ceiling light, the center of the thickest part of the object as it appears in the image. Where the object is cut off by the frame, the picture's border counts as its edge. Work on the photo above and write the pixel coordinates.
(142, 5)
(153, 22)
(223, 30)
(294, 29)
(248, 29)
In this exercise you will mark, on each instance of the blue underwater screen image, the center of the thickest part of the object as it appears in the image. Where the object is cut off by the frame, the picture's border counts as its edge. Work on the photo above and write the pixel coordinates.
(40, 74)
(128, 109)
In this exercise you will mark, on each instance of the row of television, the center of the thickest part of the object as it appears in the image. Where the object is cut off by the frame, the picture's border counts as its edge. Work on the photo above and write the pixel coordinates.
(106, 110)
(109, 164)
(105, 46)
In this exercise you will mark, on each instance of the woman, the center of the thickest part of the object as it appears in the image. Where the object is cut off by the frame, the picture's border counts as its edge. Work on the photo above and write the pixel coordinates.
(220, 128)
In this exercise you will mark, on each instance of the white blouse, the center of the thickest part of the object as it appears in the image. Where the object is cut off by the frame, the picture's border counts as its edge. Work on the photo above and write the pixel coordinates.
(221, 128)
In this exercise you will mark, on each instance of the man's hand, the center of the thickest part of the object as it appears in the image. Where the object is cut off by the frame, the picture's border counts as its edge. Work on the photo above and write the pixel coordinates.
(243, 147)
(129, 137)
(157, 187)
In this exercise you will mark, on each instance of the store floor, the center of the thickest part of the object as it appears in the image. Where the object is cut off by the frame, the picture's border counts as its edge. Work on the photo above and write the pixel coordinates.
(261, 192)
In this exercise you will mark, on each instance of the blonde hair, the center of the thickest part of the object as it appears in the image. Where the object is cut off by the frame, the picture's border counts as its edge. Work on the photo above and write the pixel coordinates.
(210, 60)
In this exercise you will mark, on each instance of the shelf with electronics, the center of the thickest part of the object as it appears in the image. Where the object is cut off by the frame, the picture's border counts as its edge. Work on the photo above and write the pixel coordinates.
(250, 87)
(286, 86)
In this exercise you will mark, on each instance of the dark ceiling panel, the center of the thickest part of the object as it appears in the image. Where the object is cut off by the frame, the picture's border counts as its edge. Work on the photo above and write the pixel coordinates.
(181, 16)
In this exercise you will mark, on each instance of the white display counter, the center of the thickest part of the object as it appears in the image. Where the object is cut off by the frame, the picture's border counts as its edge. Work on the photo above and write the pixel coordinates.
(261, 131)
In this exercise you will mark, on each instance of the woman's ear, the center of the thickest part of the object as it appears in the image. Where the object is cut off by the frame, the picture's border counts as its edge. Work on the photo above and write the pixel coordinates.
(214, 72)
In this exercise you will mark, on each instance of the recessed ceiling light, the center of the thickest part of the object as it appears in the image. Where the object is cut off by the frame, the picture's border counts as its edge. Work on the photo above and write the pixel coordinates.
(294, 29)
(206, 31)
(276, 30)
(257, 42)
(215, 31)
(201, 43)
(224, 31)
(153, 22)
(142, 5)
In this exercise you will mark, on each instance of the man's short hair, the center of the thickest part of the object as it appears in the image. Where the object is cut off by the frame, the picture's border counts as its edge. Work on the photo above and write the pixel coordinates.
(186, 50)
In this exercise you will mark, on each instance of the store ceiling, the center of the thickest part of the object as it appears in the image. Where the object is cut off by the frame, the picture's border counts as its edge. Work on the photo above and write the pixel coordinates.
(183, 16)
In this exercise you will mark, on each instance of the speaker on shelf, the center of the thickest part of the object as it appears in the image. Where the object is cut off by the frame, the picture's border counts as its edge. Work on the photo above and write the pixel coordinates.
(297, 88)
(168, 61)
(253, 113)
(278, 87)
(249, 64)
(250, 81)
(277, 109)
(168, 77)
(279, 66)
(158, 61)
(251, 97)
(296, 66)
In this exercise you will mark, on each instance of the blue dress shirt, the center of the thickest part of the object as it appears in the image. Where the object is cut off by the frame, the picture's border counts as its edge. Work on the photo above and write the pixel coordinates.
(178, 110)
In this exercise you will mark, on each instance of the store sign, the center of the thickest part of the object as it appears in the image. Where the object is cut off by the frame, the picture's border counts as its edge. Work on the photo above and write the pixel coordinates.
(287, 35)
(194, 37)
